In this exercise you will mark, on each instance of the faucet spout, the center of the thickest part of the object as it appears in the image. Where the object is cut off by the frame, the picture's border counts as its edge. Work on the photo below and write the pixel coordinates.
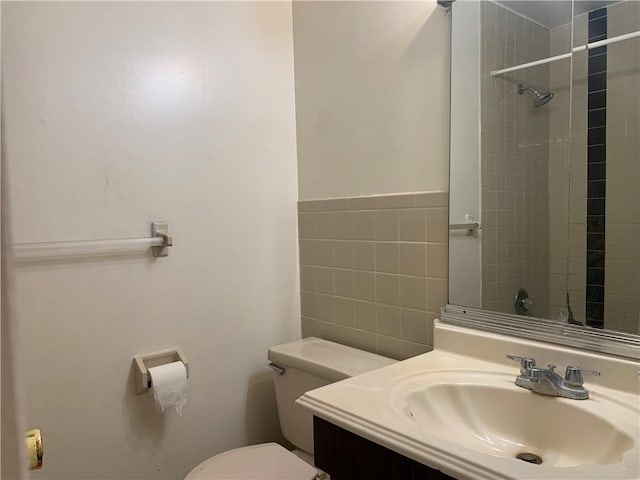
(540, 380)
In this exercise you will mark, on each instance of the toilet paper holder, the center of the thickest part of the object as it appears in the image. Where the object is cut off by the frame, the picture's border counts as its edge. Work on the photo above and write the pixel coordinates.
(143, 362)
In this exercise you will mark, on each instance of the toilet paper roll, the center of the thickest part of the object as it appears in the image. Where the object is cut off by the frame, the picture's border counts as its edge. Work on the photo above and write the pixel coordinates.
(169, 385)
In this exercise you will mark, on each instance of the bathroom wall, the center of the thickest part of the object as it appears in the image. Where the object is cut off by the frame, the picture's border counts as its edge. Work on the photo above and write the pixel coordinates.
(567, 172)
(374, 270)
(372, 97)
(372, 117)
(622, 244)
(116, 114)
(514, 185)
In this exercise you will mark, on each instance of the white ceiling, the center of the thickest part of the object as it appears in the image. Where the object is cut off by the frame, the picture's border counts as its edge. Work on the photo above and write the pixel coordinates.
(552, 13)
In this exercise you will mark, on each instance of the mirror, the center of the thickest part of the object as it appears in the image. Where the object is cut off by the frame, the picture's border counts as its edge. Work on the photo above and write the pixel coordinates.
(544, 160)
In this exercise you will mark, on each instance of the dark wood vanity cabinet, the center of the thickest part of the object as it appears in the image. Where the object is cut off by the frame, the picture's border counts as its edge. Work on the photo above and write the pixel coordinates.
(347, 456)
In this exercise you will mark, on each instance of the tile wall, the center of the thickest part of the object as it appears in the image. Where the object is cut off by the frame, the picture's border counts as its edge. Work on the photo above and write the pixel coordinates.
(565, 175)
(373, 270)
(576, 190)
(568, 173)
(596, 168)
(514, 166)
(622, 243)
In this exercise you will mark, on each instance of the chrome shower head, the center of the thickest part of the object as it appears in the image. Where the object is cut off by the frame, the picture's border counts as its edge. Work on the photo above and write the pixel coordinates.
(542, 98)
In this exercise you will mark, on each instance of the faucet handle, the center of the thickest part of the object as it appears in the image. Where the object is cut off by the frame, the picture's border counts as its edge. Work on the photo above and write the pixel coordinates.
(525, 363)
(573, 375)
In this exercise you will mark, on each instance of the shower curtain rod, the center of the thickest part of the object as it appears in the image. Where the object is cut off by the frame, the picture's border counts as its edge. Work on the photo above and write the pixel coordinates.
(555, 58)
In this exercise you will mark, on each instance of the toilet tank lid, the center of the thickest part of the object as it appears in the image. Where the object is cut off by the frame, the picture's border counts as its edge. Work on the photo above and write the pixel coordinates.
(326, 359)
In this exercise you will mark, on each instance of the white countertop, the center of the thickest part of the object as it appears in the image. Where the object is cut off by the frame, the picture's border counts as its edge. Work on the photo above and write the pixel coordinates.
(364, 404)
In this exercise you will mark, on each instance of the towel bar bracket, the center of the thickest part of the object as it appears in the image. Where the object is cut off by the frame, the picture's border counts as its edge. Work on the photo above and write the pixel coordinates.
(161, 230)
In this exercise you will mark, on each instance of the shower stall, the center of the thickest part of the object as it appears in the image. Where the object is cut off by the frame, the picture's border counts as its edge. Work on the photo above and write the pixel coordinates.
(558, 143)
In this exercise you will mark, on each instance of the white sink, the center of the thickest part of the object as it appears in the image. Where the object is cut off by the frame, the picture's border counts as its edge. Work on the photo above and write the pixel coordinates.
(458, 410)
(486, 412)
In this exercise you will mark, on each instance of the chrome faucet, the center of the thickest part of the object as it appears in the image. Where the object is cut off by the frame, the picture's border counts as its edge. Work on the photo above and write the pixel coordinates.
(547, 382)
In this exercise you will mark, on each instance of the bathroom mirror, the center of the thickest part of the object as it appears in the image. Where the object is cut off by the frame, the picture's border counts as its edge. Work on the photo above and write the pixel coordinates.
(545, 178)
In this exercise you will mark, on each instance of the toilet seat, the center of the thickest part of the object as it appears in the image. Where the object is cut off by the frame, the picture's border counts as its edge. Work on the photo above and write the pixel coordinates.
(266, 461)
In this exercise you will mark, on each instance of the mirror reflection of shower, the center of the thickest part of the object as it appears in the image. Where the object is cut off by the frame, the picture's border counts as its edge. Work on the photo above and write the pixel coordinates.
(542, 98)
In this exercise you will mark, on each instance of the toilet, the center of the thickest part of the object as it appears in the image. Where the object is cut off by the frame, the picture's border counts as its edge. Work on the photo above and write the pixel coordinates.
(301, 366)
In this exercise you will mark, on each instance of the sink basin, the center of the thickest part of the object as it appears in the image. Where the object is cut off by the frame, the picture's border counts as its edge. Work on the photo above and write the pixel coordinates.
(485, 411)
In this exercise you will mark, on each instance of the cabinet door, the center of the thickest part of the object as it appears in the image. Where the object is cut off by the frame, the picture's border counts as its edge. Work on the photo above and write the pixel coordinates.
(347, 456)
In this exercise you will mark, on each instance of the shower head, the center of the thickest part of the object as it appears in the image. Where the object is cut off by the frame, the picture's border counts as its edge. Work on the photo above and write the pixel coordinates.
(542, 98)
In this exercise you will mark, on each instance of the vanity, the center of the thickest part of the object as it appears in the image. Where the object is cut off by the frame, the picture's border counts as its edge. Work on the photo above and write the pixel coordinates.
(456, 412)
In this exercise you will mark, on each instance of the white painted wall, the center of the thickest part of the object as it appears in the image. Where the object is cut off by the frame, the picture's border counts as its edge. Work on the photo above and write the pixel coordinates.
(372, 97)
(116, 114)
(465, 251)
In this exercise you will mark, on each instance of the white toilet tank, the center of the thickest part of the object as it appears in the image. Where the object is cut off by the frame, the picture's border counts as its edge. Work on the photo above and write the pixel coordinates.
(312, 363)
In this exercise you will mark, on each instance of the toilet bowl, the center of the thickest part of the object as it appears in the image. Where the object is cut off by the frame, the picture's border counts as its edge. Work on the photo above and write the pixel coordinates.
(302, 366)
